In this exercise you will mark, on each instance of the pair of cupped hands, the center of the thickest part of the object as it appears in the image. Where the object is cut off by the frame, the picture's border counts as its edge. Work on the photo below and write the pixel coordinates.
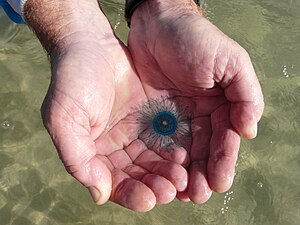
(98, 83)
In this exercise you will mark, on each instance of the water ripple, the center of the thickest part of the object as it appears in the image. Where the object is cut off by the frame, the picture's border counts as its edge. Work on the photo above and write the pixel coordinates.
(8, 29)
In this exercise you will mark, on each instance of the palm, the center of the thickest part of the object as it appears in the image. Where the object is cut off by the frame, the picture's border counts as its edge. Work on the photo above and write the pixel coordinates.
(193, 59)
(93, 129)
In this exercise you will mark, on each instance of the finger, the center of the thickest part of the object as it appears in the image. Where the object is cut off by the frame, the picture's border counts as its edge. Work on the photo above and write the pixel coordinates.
(131, 193)
(246, 95)
(173, 172)
(153, 163)
(183, 196)
(201, 129)
(198, 189)
(224, 148)
(244, 117)
(177, 155)
(163, 189)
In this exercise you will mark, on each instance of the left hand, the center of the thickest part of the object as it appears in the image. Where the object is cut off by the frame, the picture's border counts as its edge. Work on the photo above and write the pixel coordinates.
(178, 51)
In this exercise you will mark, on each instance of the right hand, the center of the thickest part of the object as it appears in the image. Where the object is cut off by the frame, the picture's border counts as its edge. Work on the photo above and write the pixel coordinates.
(93, 91)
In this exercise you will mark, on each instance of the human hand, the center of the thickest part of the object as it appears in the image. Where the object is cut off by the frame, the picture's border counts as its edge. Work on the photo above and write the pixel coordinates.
(178, 51)
(88, 110)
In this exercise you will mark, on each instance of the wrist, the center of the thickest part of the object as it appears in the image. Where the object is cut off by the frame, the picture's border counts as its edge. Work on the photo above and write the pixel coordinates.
(158, 9)
(60, 24)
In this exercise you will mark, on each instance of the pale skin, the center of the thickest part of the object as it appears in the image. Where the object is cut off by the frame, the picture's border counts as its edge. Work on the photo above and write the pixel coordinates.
(97, 83)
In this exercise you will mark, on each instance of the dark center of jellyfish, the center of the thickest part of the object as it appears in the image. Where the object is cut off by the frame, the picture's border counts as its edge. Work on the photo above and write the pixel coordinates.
(164, 123)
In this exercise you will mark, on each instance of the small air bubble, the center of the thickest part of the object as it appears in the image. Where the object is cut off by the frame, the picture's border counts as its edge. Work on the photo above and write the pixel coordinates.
(285, 71)
(6, 124)
(260, 184)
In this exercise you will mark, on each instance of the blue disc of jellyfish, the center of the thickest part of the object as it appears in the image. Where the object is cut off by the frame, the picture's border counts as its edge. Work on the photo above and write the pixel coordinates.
(163, 124)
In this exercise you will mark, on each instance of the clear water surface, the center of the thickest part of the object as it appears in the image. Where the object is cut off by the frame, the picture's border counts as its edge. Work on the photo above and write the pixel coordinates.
(35, 189)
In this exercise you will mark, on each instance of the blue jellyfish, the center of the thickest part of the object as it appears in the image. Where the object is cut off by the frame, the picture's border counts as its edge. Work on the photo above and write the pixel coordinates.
(163, 124)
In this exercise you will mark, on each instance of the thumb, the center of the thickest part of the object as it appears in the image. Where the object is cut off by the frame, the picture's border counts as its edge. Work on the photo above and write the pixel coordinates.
(77, 151)
(78, 154)
(245, 95)
(100, 182)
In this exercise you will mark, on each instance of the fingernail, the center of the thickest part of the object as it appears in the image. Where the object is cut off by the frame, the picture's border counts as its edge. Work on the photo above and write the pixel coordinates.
(254, 130)
(251, 132)
(95, 193)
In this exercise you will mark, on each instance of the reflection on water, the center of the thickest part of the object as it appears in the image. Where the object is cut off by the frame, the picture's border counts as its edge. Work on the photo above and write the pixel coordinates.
(7, 29)
(35, 189)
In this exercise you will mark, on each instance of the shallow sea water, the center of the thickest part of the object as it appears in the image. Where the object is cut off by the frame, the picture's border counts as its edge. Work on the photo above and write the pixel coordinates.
(35, 189)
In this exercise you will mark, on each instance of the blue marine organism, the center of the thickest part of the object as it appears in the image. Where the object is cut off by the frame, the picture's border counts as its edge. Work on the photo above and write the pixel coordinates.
(164, 124)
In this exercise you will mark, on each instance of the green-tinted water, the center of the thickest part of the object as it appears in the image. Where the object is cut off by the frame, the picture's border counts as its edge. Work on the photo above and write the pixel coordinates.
(35, 189)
